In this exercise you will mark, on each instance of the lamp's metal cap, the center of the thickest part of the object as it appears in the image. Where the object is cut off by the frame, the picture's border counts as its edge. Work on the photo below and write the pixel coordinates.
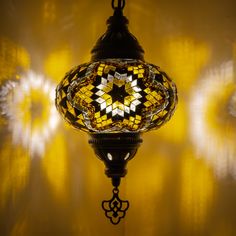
(117, 42)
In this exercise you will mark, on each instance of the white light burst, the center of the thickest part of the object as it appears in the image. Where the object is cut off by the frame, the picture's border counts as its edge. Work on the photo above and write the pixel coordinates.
(213, 132)
(31, 122)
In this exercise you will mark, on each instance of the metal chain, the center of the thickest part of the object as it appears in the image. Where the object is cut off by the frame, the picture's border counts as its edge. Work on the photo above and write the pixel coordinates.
(120, 5)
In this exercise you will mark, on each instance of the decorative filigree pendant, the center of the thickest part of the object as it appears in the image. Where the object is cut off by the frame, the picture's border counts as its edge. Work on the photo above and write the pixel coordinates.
(115, 208)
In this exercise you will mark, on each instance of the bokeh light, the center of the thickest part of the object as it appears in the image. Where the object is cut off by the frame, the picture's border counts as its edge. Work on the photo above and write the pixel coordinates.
(213, 121)
(29, 106)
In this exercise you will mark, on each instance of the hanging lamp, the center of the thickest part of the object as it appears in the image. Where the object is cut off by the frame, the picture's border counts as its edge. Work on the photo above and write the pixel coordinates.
(115, 98)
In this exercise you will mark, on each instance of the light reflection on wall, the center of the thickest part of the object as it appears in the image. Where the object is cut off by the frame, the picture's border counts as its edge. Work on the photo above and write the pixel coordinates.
(49, 11)
(12, 56)
(58, 63)
(150, 192)
(212, 120)
(21, 227)
(29, 106)
(185, 58)
(55, 167)
(176, 129)
(14, 171)
(197, 191)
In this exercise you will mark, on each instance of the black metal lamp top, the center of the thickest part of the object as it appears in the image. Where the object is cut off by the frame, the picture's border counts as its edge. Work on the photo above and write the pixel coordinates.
(117, 41)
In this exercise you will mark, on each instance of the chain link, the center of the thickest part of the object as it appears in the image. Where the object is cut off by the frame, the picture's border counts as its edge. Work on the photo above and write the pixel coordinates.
(120, 4)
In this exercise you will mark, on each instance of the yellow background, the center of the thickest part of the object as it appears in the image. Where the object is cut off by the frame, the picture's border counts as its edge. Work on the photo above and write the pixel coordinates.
(183, 178)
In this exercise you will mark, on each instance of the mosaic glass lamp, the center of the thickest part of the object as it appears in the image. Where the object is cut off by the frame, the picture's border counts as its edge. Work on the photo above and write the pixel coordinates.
(115, 98)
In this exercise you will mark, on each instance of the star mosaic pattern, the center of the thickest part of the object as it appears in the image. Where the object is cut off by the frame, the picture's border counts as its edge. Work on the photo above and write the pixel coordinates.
(116, 95)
